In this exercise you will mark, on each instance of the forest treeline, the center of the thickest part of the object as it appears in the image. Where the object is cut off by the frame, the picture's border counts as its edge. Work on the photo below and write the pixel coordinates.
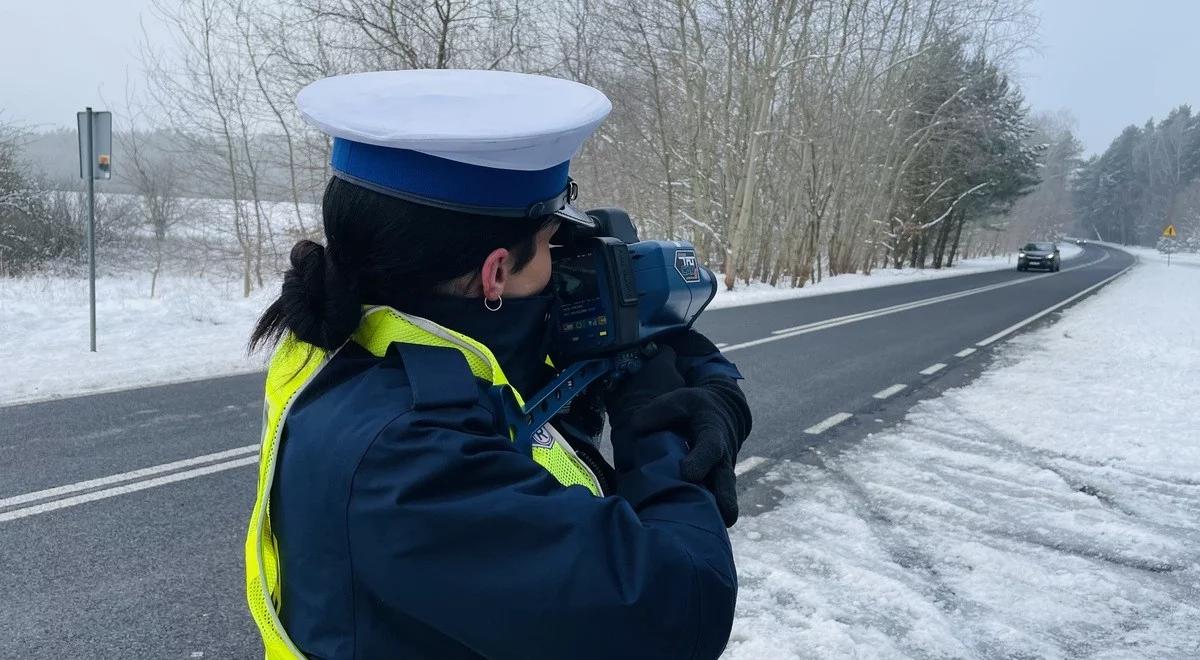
(1147, 179)
(789, 139)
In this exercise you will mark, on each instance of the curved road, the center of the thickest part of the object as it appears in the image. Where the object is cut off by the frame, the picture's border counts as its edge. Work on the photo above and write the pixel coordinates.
(122, 514)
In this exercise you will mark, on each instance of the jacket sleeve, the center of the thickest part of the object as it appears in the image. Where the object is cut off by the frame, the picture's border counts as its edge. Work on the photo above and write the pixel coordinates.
(698, 358)
(697, 368)
(450, 525)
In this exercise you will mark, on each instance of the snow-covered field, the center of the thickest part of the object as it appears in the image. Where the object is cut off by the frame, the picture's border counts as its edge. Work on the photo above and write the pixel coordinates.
(761, 293)
(197, 327)
(1050, 509)
(193, 328)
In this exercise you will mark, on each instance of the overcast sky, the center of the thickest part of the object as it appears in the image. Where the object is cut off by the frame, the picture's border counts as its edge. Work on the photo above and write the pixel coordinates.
(1111, 62)
(1114, 62)
(58, 56)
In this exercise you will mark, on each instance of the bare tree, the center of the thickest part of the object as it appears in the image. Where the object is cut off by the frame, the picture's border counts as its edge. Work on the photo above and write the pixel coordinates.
(789, 139)
(156, 180)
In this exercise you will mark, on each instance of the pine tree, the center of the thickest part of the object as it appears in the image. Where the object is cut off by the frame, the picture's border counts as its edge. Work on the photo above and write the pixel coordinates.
(1143, 181)
(975, 159)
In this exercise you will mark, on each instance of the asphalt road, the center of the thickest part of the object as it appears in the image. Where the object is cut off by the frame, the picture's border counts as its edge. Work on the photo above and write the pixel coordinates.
(136, 552)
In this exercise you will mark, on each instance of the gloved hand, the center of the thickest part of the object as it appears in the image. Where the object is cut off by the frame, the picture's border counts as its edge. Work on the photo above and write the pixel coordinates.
(691, 343)
(697, 357)
(715, 418)
(657, 376)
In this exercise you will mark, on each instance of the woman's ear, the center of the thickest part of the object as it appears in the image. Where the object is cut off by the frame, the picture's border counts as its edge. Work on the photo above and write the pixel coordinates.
(494, 274)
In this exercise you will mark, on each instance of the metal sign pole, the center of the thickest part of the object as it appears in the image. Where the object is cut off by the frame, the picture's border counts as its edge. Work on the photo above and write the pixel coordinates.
(91, 177)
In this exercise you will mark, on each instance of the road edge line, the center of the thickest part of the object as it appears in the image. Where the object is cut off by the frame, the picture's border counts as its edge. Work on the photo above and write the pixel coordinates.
(1053, 308)
(828, 423)
(889, 392)
(747, 465)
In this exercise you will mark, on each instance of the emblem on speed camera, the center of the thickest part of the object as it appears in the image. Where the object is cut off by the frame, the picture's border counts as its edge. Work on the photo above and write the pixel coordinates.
(687, 266)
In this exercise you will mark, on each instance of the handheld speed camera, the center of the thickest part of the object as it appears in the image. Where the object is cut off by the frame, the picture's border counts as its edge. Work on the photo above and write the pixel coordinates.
(618, 292)
(616, 295)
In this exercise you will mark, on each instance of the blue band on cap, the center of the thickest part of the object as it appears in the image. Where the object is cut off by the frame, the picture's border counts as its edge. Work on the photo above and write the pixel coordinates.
(421, 175)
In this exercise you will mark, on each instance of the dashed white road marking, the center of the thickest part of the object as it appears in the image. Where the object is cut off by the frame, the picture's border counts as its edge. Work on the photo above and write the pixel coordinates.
(964, 352)
(933, 369)
(830, 422)
(890, 392)
(748, 464)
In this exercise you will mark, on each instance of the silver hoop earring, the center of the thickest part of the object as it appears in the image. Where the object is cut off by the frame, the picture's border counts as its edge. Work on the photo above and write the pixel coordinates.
(487, 304)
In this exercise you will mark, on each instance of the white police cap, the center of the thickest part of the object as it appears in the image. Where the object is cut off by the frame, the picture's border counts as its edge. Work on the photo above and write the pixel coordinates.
(486, 142)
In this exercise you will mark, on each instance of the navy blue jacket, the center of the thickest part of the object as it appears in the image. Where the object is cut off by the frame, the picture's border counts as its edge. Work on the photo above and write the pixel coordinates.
(409, 527)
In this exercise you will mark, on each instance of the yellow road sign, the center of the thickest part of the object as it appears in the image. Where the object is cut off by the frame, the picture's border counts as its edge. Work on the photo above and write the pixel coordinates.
(1169, 232)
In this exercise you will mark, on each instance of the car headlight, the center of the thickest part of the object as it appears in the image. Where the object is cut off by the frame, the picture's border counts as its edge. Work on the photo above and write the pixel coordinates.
(1021, 254)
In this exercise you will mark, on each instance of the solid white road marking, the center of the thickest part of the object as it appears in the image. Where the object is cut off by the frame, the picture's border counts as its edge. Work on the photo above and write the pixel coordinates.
(722, 345)
(933, 369)
(816, 326)
(964, 352)
(127, 488)
(830, 422)
(890, 392)
(124, 476)
(748, 464)
(1021, 324)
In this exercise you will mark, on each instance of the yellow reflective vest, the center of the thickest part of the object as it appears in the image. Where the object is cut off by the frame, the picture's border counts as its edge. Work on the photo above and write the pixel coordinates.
(292, 368)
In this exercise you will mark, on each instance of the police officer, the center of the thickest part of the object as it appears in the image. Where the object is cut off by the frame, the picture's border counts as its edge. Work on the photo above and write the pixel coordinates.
(394, 517)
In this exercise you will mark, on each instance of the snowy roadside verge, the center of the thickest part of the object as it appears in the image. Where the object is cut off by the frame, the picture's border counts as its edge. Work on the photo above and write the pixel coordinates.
(1049, 509)
(758, 292)
(1152, 255)
(194, 328)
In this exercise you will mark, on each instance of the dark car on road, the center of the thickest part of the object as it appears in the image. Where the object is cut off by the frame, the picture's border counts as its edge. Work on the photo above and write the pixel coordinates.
(1039, 255)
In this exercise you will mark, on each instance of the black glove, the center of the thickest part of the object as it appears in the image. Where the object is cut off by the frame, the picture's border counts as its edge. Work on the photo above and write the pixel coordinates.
(656, 376)
(715, 418)
(691, 343)
(697, 357)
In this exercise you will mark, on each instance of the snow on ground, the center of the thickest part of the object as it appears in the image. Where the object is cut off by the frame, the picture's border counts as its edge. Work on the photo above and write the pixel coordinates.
(1050, 509)
(193, 328)
(761, 293)
(1154, 256)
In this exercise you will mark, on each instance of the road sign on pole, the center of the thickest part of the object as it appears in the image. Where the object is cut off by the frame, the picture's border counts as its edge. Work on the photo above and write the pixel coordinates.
(95, 162)
(1167, 244)
(99, 163)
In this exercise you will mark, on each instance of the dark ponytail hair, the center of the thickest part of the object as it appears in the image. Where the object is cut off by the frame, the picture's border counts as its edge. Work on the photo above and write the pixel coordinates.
(318, 303)
(380, 250)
